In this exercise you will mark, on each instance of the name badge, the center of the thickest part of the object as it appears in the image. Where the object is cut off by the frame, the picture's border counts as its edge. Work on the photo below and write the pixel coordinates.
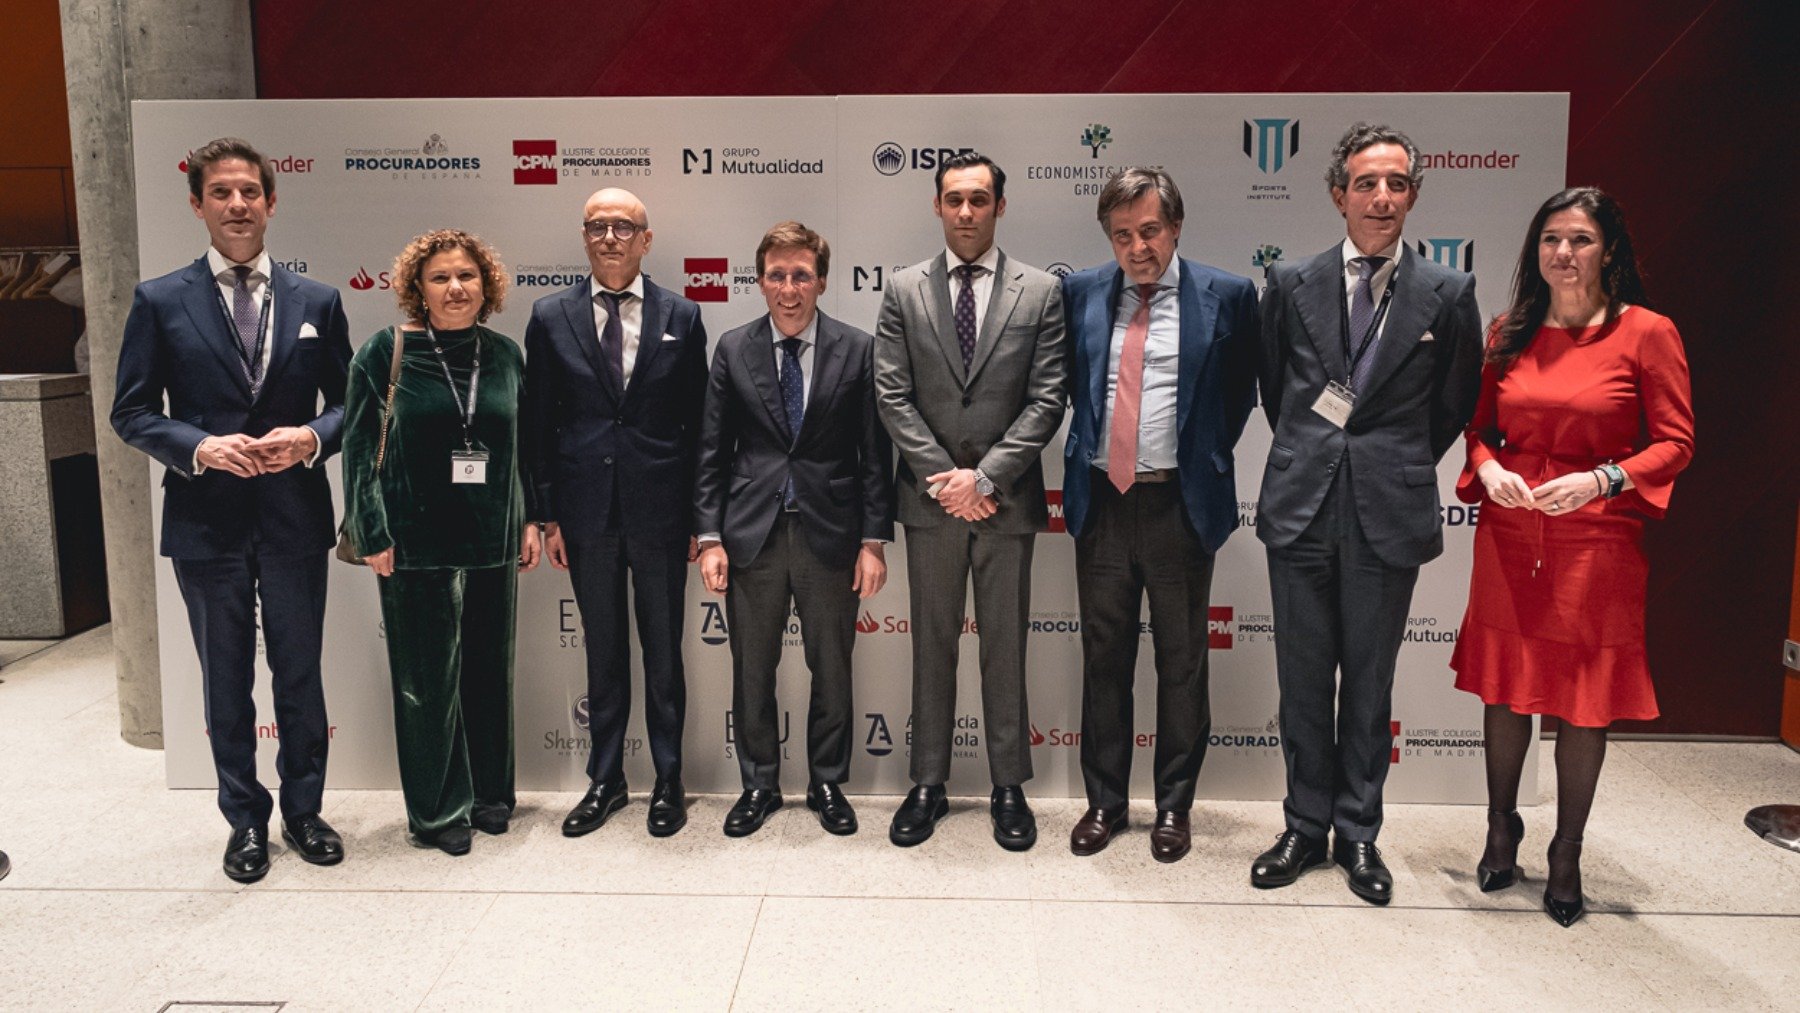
(468, 467)
(1335, 403)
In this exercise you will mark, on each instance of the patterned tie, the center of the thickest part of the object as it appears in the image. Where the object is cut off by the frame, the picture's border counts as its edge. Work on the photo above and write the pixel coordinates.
(612, 337)
(965, 312)
(1122, 446)
(793, 404)
(1362, 314)
(243, 316)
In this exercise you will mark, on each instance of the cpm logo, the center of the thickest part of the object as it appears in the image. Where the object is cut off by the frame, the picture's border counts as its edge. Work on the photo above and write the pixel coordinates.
(1220, 627)
(712, 623)
(707, 279)
(879, 741)
(1458, 254)
(1270, 143)
(1394, 731)
(1054, 504)
(534, 163)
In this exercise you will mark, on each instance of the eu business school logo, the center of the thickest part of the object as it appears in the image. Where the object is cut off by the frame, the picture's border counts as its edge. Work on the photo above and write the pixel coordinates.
(1458, 254)
(1270, 144)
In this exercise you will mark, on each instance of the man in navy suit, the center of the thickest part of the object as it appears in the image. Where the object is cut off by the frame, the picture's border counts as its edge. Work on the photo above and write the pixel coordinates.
(794, 499)
(1162, 367)
(244, 352)
(615, 381)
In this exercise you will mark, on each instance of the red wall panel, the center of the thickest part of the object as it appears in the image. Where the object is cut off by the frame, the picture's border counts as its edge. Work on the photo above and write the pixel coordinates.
(1679, 108)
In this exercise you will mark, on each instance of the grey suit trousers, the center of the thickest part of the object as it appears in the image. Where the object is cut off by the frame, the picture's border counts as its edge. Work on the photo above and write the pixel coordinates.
(939, 559)
(1338, 607)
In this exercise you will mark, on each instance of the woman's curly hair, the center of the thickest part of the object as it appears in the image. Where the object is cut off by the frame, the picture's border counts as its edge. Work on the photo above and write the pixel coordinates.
(412, 260)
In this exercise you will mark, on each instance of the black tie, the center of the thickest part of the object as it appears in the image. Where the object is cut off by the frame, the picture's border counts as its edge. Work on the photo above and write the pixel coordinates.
(243, 316)
(612, 337)
(1362, 315)
(793, 403)
(965, 312)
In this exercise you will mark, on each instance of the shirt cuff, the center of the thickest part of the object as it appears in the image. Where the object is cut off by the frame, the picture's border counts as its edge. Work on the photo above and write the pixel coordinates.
(198, 468)
(318, 445)
(877, 541)
(709, 538)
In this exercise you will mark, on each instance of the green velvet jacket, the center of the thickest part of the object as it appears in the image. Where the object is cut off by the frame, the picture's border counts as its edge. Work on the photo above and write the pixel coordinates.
(412, 505)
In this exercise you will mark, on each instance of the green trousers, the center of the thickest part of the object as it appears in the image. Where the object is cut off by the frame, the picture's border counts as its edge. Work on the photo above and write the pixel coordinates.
(450, 649)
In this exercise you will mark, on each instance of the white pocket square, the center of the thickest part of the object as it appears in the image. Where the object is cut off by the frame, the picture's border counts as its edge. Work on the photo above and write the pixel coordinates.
(1427, 336)
(308, 331)
(670, 337)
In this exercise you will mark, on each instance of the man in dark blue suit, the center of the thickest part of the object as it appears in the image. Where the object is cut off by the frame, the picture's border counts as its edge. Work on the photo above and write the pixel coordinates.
(244, 353)
(615, 381)
(1162, 357)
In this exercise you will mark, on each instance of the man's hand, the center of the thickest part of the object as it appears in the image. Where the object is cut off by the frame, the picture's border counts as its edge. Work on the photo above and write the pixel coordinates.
(983, 508)
(234, 453)
(284, 446)
(871, 570)
(531, 548)
(554, 547)
(715, 567)
(382, 562)
(693, 547)
(958, 496)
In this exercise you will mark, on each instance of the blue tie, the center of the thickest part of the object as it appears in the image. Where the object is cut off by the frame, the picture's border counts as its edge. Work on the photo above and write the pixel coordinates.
(1362, 315)
(793, 404)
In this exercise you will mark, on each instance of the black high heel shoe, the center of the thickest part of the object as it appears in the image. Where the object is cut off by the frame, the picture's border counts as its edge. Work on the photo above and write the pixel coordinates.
(1490, 879)
(1565, 912)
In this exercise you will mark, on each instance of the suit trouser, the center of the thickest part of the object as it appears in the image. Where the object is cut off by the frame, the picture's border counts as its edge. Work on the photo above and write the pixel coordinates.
(1337, 607)
(757, 609)
(598, 566)
(1136, 542)
(221, 595)
(939, 560)
(450, 650)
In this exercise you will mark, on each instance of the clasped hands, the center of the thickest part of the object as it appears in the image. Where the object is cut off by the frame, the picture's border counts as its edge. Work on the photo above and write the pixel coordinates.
(869, 576)
(246, 456)
(1561, 495)
(958, 496)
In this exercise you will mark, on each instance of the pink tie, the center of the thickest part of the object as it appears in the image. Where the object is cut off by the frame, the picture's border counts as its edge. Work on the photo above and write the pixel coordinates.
(1122, 447)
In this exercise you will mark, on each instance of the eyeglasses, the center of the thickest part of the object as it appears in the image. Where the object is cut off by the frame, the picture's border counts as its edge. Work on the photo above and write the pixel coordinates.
(621, 230)
(801, 279)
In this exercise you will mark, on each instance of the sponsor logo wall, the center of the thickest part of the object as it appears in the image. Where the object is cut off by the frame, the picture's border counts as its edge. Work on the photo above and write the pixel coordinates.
(357, 180)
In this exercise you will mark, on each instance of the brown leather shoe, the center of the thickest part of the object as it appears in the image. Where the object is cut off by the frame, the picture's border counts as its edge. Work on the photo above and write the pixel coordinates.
(1095, 830)
(1169, 839)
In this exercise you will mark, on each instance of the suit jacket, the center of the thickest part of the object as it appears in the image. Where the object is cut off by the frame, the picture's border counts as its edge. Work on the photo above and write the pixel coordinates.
(178, 345)
(997, 415)
(1217, 390)
(841, 460)
(582, 435)
(1420, 393)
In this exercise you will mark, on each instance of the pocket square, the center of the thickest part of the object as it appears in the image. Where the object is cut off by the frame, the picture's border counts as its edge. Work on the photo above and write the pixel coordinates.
(1427, 336)
(308, 331)
(670, 337)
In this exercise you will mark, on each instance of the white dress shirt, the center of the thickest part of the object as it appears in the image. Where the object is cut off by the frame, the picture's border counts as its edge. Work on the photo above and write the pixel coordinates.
(224, 271)
(631, 318)
(1162, 372)
(983, 282)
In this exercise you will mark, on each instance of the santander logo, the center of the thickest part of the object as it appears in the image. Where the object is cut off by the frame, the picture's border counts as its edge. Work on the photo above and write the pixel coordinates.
(868, 623)
(362, 282)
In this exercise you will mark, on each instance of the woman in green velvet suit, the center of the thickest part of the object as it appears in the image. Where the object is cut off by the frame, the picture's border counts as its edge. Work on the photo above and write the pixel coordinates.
(443, 523)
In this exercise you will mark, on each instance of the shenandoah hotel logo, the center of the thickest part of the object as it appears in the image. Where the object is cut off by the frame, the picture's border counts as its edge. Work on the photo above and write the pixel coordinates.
(544, 163)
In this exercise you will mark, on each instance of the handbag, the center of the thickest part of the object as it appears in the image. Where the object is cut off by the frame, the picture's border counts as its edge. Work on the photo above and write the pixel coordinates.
(346, 551)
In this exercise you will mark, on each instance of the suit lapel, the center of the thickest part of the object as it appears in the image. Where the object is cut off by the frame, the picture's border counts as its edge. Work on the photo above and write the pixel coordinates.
(1097, 323)
(202, 303)
(828, 366)
(1008, 286)
(650, 334)
(1199, 310)
(578, 308)
(1415, 305)
(290, 310)
(934, 293)
(760, 352)
(1320, 303)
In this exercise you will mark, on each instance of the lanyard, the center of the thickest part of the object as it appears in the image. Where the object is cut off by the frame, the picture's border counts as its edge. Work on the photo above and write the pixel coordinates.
(465, 412)
(1368, 338)
(253, 361)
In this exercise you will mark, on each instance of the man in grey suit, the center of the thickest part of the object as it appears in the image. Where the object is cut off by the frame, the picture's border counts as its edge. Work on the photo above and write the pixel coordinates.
(969, 381)
(794, 497)
(1371, 362)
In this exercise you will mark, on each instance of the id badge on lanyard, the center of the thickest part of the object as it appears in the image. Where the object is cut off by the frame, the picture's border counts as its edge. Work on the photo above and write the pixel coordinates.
(468, 466)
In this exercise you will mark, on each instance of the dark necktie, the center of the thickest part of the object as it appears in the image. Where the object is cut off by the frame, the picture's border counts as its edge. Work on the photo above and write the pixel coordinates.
(793, 404)
(612, 337)
(243, 316)
(1362, 314)
(965, 312)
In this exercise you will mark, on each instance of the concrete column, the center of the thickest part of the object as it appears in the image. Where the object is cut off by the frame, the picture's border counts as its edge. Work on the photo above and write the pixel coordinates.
(115, 51)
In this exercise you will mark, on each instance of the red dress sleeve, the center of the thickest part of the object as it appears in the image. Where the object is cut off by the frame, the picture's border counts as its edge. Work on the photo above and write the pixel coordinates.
(1667, 417)
(1483, 433)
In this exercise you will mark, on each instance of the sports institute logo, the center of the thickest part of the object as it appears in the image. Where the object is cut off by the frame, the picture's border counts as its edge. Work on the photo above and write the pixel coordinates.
(1453, 253)
(534, 163)
(1270, 143)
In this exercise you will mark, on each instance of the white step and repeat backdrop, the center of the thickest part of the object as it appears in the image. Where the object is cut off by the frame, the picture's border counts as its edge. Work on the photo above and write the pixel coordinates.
(357, 179)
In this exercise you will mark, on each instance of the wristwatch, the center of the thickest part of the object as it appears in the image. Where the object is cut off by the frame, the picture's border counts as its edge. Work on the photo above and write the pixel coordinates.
(984, 486)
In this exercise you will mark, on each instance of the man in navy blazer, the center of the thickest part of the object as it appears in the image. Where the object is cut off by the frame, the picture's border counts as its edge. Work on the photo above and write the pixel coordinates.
(1162, 354)
(615, 382)
(244, 353)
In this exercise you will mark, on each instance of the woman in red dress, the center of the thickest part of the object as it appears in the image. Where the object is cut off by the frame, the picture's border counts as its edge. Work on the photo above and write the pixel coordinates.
(1584, 421)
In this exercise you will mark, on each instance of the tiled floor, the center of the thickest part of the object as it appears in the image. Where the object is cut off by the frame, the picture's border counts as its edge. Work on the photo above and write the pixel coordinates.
(116, 901)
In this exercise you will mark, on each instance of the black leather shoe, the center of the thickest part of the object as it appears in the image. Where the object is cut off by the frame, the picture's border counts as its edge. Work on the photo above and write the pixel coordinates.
(454, 841)
(668, 808)
(1170, 837)
(247, 854)
(603, 798)
(1015, 828)
(752, 808)
(1281, 865)
(313, 839)
(1369, 878)
(1505, 830)
(5, 865)
(1095, 830)
(491, 818)
(835, 814)
(1563, 854)
(917, 817)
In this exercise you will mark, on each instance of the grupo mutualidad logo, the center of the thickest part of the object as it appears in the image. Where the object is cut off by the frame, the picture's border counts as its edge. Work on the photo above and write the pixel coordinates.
(745, 162)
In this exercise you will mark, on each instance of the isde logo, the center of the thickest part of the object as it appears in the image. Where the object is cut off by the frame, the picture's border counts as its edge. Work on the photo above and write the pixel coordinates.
(1270, 143)
(890, 159)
